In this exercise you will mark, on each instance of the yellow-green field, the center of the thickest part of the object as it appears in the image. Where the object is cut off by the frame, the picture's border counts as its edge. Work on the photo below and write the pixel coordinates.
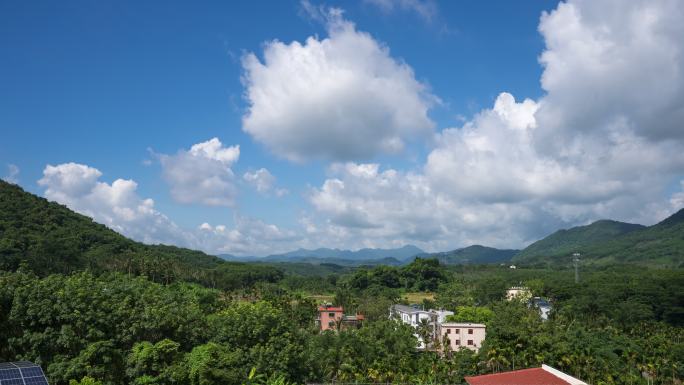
(321, 298)
(417, 297)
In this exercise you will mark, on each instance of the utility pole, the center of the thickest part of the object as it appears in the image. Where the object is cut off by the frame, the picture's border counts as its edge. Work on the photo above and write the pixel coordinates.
(576, 262)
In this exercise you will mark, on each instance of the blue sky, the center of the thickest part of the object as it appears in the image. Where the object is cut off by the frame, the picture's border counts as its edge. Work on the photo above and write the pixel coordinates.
(121, 86)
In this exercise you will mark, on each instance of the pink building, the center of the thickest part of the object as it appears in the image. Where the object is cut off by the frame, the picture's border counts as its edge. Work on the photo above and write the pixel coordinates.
(459, 335)
(330, 317)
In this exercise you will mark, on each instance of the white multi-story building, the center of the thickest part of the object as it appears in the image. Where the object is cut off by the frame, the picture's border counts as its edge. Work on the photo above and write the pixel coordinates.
(415, 316)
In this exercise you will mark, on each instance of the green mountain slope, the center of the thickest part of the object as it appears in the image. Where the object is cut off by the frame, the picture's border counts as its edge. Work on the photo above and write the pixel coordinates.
(662, 244)
(610, 242)
(576, 239)
(49, 238)
(473, 255)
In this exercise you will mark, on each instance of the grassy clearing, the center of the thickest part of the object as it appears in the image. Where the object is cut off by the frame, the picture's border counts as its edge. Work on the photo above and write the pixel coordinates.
(321, 298)
(417, 297)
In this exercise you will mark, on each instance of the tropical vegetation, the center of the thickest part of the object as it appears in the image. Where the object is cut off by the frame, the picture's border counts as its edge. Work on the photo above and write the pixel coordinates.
(93, 307)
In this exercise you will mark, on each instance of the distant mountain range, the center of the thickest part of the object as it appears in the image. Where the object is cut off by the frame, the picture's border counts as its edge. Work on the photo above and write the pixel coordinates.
(475, 254)
(605, 241)
(469, 255)
(602, 242)
(337, 256)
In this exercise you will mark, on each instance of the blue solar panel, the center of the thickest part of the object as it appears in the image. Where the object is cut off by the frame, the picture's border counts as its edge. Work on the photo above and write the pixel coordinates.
(7, 374)
(21, 373)
(16, 381)
(35, 371)
(35, 381)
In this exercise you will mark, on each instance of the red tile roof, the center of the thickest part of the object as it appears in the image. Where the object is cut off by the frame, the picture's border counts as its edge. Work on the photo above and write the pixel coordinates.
(533, 376)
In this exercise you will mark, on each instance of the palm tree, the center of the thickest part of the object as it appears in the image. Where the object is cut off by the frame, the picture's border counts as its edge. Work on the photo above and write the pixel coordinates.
(425, 332)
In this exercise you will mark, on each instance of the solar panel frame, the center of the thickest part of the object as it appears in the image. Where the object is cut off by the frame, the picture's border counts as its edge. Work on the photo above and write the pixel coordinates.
(21, 373)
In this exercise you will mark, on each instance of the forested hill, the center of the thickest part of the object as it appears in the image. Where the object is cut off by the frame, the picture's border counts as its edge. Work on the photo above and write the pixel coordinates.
(474, 254)
(49, 238)
(607, 241)
(566, 242)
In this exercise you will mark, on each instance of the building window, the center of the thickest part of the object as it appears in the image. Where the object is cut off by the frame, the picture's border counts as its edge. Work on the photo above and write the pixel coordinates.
(458, 331)
(448, 331)
(331, 315)
(470, 331)
(458, 342)
(470, 342)
(331, 324)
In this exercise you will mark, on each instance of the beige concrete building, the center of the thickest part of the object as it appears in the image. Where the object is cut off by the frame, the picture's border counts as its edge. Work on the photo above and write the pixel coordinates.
(459, 335)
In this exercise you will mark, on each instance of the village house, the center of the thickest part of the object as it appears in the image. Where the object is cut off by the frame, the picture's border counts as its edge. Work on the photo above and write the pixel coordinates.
(415, 316)
(520, 293)
(333, 317)
(545, 375)
(542, 305)
(460, 335)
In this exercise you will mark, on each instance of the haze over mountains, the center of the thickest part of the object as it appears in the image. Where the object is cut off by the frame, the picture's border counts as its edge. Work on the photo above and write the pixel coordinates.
(343, 257)
(33, 226)
(601, 242)
(468, 255)
(473, 255)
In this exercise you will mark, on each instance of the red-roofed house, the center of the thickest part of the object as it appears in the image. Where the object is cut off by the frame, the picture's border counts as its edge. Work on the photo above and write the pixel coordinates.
(332, 317)
(545, 375)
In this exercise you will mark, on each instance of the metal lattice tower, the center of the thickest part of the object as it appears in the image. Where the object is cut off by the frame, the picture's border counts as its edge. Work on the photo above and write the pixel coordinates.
(576, 262)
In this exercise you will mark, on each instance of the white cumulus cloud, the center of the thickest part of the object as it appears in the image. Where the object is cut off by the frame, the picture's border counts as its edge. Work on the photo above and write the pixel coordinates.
(426, 9)
(116, 205)
(119, 207)
(338, 98)
(248, 236)
(605, 141)
(364, 206)
(613, 63)
(264, 182)
(202, 174)
(12, 174)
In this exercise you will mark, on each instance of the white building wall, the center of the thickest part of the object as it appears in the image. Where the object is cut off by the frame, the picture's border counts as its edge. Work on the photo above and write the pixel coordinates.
(413, 317)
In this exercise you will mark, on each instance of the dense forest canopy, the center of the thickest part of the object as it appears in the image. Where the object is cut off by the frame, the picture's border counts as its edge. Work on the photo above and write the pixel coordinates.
(93, 307)
(50, 238)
